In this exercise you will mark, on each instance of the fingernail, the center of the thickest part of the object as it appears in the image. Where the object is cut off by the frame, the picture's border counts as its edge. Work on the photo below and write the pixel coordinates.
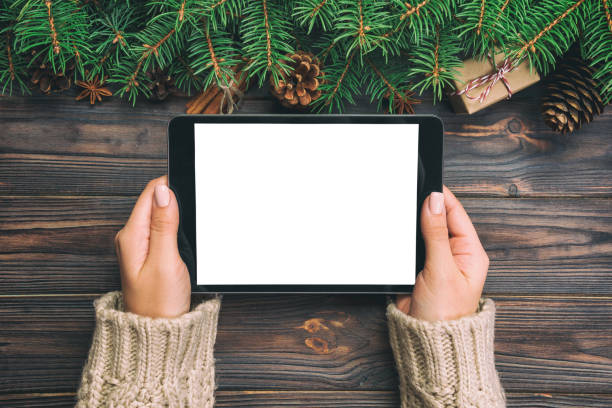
(162, 195)
(436, 203)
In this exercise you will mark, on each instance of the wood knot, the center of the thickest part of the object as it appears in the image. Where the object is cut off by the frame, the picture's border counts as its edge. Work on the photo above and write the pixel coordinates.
(313, 325)
(515, 126)
(513, 190)
(327, 332)
(317, 344)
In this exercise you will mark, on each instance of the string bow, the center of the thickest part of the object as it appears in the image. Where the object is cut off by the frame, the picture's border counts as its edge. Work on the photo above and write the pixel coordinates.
(504, 68)
(229, 91)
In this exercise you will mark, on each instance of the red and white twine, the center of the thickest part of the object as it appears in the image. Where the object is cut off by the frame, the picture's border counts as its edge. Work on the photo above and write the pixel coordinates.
(500, 75)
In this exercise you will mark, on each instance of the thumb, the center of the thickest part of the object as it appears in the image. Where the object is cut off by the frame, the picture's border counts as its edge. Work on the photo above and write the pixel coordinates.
(435, 233)
(164, 226)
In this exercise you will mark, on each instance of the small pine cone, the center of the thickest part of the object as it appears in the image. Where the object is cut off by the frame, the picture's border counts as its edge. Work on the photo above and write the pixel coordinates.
(161, 84)
(571, 97)
(300, 86)
(48, 81)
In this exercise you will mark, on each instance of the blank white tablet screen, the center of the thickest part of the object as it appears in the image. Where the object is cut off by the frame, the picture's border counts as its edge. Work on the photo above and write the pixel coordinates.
(317, 204)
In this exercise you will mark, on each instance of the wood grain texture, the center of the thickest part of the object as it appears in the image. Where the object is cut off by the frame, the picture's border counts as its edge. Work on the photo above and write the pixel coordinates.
(322, 399)
(54, 145)
(69, 175)
(65, 245)
(319, 343)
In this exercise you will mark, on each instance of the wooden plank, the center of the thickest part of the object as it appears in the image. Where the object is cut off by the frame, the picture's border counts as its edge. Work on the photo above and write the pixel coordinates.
(505, 150)
(543, 345)
(323, 399)
(65, 245)
(35, 174)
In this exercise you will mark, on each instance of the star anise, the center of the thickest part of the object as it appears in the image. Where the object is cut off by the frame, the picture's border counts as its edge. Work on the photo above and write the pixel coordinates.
(403, 101)
(94, 89)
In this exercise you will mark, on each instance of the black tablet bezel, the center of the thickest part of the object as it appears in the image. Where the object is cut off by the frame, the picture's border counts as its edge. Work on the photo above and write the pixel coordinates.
(181, 178)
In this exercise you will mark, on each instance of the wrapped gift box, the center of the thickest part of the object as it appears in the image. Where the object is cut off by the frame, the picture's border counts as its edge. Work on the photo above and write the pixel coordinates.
(518, 78)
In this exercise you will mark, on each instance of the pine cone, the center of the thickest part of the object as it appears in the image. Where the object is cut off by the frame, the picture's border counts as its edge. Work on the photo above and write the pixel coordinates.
(299, 87)
(161, 84)
(570, 96)
(48, 81)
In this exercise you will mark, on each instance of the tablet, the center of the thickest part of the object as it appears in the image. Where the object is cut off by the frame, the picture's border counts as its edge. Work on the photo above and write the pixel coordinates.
(303, 203)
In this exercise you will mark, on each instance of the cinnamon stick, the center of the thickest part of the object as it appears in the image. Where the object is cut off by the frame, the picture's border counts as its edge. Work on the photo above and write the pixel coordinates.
(204, 101)
(198, 97)
(213, 106)
(209, 101)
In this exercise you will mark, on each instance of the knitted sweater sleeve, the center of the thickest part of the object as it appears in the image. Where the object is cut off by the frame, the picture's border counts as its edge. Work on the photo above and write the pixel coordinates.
(139, 361)
(446, 363)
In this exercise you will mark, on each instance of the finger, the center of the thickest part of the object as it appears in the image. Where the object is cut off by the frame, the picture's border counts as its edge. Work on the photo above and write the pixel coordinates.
(140, 219)
(403, 303)
(458, 221)
(132, 241)
(438, 253)
(163, 246)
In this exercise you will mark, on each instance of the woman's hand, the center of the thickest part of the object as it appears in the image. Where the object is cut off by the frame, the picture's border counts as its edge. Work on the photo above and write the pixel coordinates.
(154, 278)
(456, 265)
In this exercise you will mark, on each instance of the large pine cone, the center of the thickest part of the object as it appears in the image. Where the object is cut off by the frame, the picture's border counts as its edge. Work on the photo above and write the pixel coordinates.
(300, 86)
(571, 97)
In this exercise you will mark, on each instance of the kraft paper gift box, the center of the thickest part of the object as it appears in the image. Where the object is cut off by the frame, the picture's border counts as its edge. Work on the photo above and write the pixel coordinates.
(517, 78)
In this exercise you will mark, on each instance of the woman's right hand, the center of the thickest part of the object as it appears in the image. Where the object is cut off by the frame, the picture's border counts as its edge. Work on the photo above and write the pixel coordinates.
(450, 284)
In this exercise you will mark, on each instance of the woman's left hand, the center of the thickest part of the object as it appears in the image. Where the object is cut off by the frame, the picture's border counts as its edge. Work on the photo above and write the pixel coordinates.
(154, 278)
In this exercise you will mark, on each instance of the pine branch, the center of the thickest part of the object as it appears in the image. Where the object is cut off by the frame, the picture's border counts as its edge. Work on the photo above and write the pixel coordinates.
(485, 25)
(109, 31)
(420, 20)
(387, 84)
(434, 61)
(199, 41)
(363, 25)
(212, 53)
(607, 11)
(59, 28)
(222, 13)
(327, 47)
(315, 13)
(547, 32)
(159, 46)
(597, 46)
(265, 33)
(341, 80)
(12, 65)
(184, 76)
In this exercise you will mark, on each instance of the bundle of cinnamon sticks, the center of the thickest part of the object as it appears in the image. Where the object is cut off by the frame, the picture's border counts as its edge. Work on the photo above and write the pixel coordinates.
(215, 99)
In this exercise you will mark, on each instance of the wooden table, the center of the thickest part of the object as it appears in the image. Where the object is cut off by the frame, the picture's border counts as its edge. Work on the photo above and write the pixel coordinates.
(69, 175)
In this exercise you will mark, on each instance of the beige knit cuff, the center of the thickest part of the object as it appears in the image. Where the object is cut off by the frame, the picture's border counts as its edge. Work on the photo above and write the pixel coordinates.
(135, 359)
(446, 363)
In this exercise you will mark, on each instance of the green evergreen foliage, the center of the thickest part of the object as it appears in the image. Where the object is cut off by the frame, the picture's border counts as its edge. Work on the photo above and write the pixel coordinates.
(548, 30)
(435, 59)
(363, 25)
(485, 24)
(13, 65)
(55, 31)
(210, 48)
(265, 31)
(597, 45)
(373, 46)
(315, 13)
(385, 81)
(341, 81)
(419, 20)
